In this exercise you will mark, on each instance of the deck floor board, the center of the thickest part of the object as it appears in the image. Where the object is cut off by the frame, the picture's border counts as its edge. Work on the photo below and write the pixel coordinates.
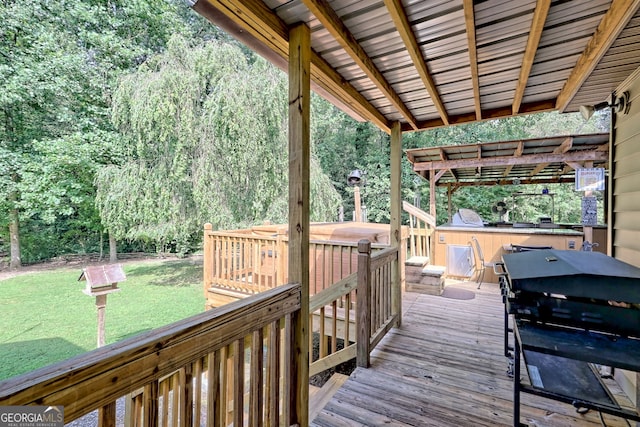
(445, 367)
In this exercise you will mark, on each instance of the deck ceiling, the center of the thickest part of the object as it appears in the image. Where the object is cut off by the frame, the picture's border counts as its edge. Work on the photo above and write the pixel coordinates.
(430, 63)
(527, 161)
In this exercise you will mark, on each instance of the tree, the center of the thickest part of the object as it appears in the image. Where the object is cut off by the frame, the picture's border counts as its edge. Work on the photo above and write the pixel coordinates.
(206, 129)
(58, 62)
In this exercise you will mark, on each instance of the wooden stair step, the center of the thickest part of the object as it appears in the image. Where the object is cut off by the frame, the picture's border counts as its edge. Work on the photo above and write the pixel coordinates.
(417, 261)
(434, 270)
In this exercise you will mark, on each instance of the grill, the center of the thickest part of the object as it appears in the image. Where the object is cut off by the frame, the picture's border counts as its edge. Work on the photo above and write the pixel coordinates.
(571, 310)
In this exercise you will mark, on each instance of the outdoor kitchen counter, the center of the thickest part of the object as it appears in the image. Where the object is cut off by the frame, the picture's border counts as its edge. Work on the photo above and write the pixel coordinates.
(494, 240)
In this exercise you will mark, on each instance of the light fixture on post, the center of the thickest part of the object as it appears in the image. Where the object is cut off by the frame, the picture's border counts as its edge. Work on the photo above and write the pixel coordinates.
(620, 105)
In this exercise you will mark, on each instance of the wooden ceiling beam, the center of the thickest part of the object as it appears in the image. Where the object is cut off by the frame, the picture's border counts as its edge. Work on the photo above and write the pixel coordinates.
(329, 78)
(517, 153)
(612, 23)
(253, 23)
(537, 24)
(530, 159)
(496, 113)
(477, 183)
(562, 148)
(470, 23)
(322, 10)
(401, 21)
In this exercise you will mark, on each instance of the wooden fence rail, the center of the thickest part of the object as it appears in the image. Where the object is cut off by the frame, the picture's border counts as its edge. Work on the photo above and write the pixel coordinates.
(246, 264)
(224, 366)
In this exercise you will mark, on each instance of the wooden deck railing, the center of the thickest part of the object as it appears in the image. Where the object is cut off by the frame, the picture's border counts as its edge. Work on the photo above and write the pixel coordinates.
(224, 366)
(379, 290)
(241, 262)
(421, 229)
(356, 311)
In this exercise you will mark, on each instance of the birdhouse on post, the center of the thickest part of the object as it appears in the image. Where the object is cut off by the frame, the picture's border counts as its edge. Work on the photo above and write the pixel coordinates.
(101, 281)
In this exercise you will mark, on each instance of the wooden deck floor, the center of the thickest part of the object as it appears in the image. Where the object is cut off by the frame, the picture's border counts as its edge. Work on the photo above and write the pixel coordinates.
(444, 367)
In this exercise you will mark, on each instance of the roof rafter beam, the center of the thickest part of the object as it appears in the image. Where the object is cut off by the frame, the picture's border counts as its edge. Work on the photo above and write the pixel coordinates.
(470, 23)
(577, 156)
(562, 148)
(537, 24)
(334, 25)
(492, 182)
(254, 23)
(613, 22)
(397, 12)
(517, 153)
(495, 113)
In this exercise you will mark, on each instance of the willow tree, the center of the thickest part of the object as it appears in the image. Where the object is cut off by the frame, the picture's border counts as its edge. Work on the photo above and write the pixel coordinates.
(206, 132)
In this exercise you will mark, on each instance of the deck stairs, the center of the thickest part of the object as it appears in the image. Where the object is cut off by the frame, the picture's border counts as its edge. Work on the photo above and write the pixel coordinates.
(420, 274)
(423, 277)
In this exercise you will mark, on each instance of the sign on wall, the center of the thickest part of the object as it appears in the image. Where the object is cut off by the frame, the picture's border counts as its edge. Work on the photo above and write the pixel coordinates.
(590, 179)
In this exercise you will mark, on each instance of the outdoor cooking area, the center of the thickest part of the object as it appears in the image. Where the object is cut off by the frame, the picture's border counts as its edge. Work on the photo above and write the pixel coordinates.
(580, 161)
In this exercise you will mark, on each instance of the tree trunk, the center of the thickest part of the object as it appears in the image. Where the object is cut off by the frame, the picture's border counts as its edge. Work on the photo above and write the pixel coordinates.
(101, 245)
(14, 234)
(113, 249)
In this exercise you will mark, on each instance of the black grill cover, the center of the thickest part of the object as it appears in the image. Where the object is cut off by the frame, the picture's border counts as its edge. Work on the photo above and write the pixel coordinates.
(573, 273)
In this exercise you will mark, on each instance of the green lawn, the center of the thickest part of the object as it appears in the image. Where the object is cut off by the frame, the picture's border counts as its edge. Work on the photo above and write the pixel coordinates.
(45, 317)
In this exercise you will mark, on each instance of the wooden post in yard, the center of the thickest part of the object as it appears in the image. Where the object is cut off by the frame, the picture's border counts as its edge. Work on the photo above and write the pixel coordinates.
(299, 176)
(207, 262)
(101, 304)
(396, 221)
(363, 304)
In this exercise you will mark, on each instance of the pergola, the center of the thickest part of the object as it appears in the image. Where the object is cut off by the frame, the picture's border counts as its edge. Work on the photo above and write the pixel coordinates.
(550, 160)
(409, 65)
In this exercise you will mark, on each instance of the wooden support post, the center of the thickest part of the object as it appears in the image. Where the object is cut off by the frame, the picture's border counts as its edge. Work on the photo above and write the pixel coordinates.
(357, 204)
(207, 270)
(396, 221)
(363, 304)
(432, 193)
(299, 167)
(101, 304)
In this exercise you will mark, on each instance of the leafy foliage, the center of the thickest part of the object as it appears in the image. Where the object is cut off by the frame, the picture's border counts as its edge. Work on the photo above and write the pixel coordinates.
(142, 119)
(206, 133)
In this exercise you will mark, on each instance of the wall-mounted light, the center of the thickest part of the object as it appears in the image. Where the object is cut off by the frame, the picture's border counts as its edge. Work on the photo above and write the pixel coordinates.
(620, 104)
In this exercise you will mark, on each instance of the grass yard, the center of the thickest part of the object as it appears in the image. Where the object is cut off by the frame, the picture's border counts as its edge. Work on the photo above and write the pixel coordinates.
(45, 317)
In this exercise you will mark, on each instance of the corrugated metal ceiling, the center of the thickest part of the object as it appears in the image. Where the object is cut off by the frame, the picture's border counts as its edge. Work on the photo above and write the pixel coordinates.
(476, 59)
